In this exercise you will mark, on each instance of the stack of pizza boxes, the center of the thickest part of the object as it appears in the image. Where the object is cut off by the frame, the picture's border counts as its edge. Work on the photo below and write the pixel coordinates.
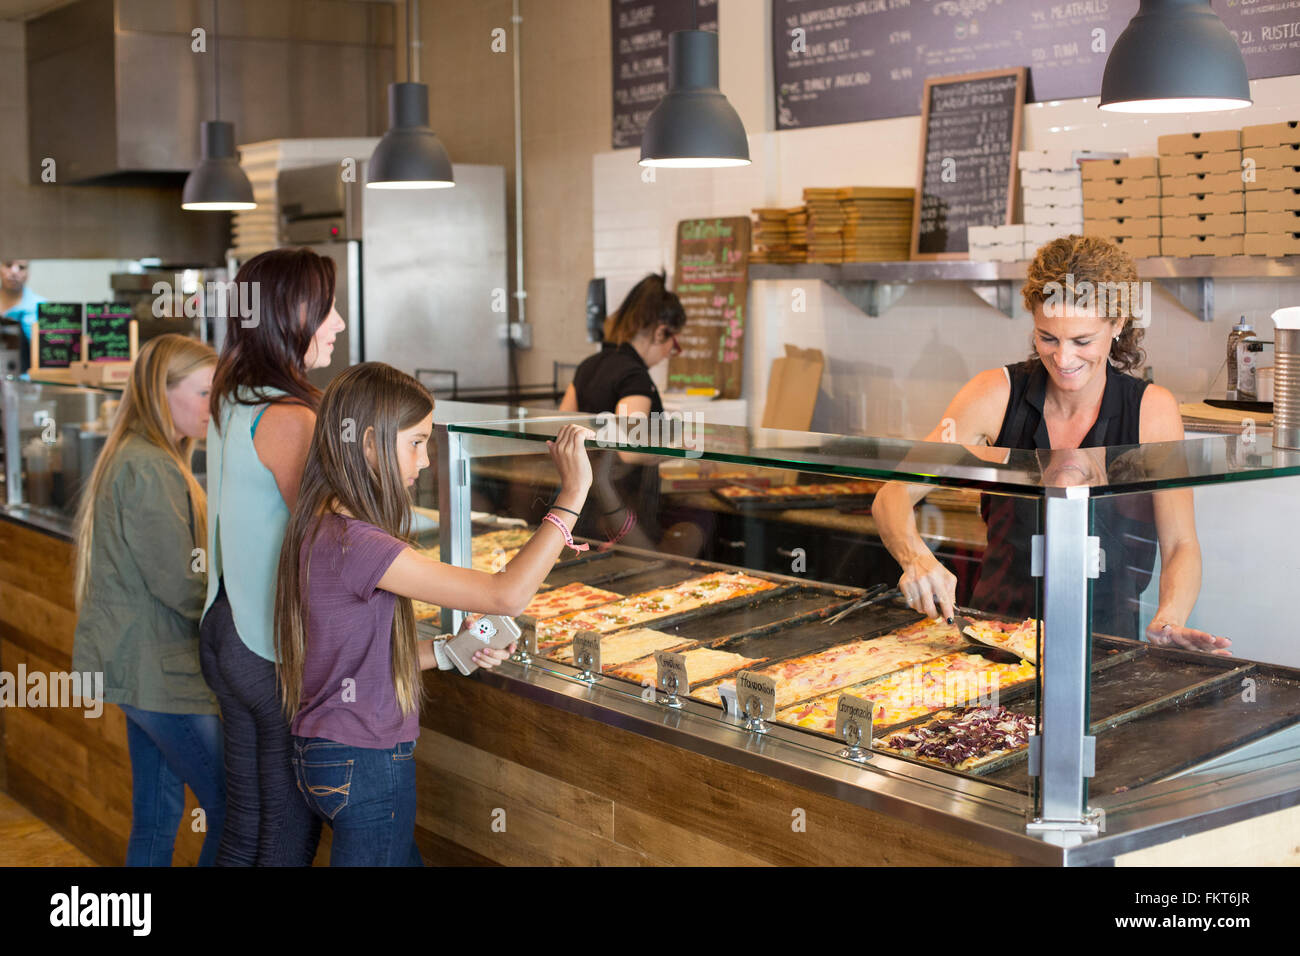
(1121, 202)
(1271, 156)
(1052, 196)
(996, 243)
(1203, 202)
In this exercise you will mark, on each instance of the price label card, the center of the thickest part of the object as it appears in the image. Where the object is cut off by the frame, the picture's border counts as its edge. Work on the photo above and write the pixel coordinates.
(674, 664)
(755, 695)
(858, 711)
(586, 650)
(528, 640)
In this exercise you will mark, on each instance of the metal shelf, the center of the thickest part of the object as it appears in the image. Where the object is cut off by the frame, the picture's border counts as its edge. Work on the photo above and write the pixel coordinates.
(875, 286)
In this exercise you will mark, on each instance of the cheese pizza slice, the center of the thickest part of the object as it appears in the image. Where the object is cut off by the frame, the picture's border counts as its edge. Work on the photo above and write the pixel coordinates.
(1020, 639)
(702, 664)
(571, 597)
(625, 646)
(425, 612)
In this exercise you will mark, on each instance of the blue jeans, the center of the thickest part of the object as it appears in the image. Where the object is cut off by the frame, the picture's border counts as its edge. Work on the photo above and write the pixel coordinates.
(366, 795)
(267, 823)
(169, 751)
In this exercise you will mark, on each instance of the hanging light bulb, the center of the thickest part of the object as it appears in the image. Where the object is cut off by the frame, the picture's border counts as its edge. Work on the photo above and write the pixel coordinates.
(218, 182)
(1175, 56)
(694, 125)
(410, 155)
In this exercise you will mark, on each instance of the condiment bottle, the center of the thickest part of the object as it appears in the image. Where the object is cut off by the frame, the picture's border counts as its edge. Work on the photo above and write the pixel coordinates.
(1241, 364)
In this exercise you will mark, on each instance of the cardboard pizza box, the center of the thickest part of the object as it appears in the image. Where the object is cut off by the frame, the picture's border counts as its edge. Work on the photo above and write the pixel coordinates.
(1212, 224)
(1051, 178)
(1202, 204)
(1272, 200)
(1274, 157)
(1137, 227)
(1218, 140)
(792, 389)
(1038, 234)
(1123, 207)
(1186, 246)
(1133, 167)
(1282, 221)
(1265, 244)
(1284, 177)
(1050, 196)
(1140, 188)
(1145, 247)
(1186, 164)
(1197, 183)
(1271, 134)
(1064, 216)
(1046, 159)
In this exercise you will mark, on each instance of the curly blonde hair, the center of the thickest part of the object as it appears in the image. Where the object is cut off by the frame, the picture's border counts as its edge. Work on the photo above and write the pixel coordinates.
(1065, 263)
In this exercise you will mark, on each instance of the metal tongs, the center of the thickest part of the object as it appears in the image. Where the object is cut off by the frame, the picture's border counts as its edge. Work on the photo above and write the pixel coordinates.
(873, 595)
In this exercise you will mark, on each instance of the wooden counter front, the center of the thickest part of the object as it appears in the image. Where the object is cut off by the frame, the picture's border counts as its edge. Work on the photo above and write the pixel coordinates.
(508, 780)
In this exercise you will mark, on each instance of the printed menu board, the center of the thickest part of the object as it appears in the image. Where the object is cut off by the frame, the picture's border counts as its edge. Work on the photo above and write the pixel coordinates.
(639, 32)
(108, 331)
(970, 140)
(712, 280)
(867, 59)
(59, 341)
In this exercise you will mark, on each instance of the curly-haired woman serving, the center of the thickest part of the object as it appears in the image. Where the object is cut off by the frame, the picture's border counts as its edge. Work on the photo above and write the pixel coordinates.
(1073, 392)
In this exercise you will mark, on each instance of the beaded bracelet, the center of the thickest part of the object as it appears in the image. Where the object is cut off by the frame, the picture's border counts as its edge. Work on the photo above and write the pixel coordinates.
(564, 530)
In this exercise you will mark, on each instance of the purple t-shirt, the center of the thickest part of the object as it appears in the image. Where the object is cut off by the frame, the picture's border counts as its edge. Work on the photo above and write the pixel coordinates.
(347, 674)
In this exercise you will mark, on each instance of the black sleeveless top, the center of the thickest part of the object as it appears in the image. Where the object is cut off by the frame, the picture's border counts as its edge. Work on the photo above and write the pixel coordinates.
(1126, 525)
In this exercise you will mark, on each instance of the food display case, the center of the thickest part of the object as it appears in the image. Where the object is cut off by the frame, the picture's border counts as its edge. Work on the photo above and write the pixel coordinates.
(1038, 735)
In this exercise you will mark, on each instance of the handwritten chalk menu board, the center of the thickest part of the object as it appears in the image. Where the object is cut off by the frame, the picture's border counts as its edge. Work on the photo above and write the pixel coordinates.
(970, 129)
(59, 343)
(712, 280)
(867, 59)
(640, 43)
(108, 330)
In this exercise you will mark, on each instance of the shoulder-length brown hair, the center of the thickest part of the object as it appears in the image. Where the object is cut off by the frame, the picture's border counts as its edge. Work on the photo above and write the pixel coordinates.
(646, 307)
(293, 292)
(368, 402)
(1064, 263)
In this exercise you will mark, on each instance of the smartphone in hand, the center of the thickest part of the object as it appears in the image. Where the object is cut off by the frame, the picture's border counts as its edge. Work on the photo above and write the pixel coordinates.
(491, 630)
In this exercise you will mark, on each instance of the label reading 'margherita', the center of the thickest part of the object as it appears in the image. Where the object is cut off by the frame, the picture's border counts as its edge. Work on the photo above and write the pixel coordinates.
(755, 695)
(586, 650)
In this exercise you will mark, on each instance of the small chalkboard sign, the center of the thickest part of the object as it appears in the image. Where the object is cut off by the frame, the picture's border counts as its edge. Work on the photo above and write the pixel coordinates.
(712, 282)
(970, 128)
(57, 342)
(108, 332)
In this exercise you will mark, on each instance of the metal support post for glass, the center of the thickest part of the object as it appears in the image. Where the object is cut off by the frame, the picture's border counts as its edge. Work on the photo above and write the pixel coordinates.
(13, 445)
(454, 511)
(1063, 754)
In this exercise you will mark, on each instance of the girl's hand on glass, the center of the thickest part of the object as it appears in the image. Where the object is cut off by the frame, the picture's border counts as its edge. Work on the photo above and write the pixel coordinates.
(570, 457)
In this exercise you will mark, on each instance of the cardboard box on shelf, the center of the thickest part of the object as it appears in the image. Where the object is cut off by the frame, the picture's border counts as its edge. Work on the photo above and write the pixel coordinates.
(1140, 188)
(1006, 252)
(1185, 246)
(1063, 216)
(1054, 159)
(995, 235)
(792, 388)
(1281, 221)
(1265, 244)
(1145, 247)
(1272, 200)
(1202, 204)
(1212, 224)
(1284, 177)
(1037, 234)
(1197, 183)
(1122, 207)
(1070, 196)
(1051, 178)
(1271, 134)
(1135, 167)
(1187, 164)
(1214, 141)
(1273, 157)
(1137, 227)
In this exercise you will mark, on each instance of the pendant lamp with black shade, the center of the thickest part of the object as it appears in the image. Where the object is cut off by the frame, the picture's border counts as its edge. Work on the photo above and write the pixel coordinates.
(1175, 56)
(217, 183)
(694, 125)
(410, 155)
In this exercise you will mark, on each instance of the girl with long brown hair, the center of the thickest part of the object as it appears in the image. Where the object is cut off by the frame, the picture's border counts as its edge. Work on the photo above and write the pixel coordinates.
(349, 659)
(139, 587)
(263, 412)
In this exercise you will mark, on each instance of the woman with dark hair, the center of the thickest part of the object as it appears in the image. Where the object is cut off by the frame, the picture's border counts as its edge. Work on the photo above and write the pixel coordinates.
(1075, 391)
(616, 380)
(263, 413)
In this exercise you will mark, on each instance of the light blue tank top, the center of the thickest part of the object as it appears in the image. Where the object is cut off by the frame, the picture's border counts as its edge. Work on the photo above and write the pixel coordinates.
(247, 518)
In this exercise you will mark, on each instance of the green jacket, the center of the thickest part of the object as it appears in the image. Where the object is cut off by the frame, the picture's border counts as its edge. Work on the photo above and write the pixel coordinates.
(139, 622)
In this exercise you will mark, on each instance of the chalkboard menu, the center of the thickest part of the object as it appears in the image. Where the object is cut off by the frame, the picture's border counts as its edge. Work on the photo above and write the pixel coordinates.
(639, 32)
(59, 341)
(108, 327)
(712, 280)
(970, 130)
(867, 59)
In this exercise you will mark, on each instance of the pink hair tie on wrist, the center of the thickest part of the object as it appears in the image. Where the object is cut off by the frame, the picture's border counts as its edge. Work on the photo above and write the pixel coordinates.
(564, 530)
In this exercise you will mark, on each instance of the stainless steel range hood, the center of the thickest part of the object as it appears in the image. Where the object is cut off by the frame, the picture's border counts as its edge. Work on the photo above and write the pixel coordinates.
(116, 91)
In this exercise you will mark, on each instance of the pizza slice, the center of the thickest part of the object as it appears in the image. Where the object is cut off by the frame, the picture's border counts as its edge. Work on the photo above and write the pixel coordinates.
(1020, 639)
(425, 612)
(702, 664)
(571, 597)
(963, 738)
(625, 646)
